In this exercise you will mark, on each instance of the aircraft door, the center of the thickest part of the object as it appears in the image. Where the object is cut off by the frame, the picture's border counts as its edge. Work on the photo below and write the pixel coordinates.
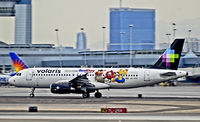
(147, 75)
(29, 75)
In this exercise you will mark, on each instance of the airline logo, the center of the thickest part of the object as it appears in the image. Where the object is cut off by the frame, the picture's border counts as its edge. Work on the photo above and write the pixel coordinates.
(17, 62)
(169, 57)
(49, 71)
(86, 70)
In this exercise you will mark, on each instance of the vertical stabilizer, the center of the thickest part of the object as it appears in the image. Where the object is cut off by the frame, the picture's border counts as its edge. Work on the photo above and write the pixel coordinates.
(171, 57)
(17, 62)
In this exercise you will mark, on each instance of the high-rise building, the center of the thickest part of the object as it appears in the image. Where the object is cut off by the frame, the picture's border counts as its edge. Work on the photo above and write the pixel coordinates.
(22, 11)
(130, 26)
(81, 42)
(23, 22)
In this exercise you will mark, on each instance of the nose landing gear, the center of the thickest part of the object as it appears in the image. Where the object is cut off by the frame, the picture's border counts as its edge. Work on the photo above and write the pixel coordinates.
(32, 93)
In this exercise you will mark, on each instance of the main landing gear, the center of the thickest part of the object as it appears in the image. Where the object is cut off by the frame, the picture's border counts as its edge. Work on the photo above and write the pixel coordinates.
(87, 94)
(32, 92)
(98, 94)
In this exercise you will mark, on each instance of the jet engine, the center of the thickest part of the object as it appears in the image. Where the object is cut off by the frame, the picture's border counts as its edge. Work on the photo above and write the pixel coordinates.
(60, 88)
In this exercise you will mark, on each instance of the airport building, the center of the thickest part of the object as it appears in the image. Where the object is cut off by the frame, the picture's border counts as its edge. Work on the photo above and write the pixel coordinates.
(47, 55)
(35, 55)
(131, 26)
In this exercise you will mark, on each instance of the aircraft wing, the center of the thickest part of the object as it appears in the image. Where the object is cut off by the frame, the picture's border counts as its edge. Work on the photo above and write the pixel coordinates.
(83, 83)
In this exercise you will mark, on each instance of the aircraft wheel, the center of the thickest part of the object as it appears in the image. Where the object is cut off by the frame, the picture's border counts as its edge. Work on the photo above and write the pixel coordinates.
(86, 95)
(32, 92)
(98, 95)
(32, 95)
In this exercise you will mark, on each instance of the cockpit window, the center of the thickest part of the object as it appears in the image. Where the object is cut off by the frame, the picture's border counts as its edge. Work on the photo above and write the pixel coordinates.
(18, 74)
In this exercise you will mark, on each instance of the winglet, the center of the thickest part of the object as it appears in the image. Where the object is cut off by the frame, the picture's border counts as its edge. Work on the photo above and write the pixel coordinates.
(171, 57)
(17, 62)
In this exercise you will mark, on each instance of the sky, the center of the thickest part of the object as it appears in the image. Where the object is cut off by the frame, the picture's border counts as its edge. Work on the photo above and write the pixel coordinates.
(71, 15)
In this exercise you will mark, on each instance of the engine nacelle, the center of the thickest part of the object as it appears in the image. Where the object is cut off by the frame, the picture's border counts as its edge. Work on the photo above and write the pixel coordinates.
(60, 88)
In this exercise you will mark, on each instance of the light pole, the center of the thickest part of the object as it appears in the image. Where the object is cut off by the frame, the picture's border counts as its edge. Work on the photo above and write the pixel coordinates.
(189, 33)
(85, 61)
(103, 58)
(57, 37)
(174, 30)
(120, 4)
(131, 31)
(189, 41)
(121, 39)
(168, 37)
(59, 47)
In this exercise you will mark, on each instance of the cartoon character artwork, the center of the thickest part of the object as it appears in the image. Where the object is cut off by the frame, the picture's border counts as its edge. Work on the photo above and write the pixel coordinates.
(99, 76)
(117, 77)
(111, 76)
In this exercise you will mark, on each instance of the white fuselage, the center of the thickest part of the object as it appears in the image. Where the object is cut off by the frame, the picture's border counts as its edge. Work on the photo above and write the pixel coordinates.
(114, 77)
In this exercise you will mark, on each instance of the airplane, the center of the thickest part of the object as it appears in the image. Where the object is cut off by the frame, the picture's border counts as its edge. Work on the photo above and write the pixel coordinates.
(4, 79)
(89, 80)
(16, 61)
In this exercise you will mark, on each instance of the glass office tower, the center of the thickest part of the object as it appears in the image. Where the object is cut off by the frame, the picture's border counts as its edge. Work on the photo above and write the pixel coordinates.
(141, 36)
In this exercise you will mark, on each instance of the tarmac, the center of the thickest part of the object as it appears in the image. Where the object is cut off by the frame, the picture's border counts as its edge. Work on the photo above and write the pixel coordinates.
(157, 104)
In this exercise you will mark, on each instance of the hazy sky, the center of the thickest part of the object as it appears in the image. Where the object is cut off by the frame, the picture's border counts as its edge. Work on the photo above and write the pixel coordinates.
(70, 15)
